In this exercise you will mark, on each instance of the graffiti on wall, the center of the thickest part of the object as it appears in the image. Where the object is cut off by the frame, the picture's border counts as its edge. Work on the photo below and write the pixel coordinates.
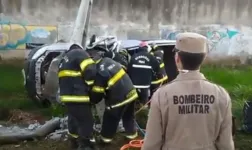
(222, 41)
(18, 36)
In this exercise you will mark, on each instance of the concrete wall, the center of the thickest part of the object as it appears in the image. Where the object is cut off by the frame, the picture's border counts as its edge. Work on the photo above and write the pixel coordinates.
(165, 11)
(134, 19)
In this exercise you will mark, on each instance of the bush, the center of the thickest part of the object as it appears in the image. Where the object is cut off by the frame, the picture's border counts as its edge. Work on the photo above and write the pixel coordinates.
(236, 80)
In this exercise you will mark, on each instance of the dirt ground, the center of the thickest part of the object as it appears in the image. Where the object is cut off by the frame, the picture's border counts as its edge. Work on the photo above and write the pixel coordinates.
(242, 142)
(57, 145)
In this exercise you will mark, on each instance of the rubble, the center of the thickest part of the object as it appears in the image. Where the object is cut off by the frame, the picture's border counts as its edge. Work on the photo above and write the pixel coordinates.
(62, 132)
(58, 135)
(10, 134)
(24, 126)
(54, 129)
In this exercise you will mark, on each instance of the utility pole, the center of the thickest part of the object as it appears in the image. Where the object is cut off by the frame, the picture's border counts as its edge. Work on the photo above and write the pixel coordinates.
(80, 30)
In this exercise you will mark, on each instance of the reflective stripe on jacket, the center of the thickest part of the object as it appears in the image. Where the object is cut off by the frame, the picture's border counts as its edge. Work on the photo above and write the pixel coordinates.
(76, 73)
(113, 84)
(141, 68)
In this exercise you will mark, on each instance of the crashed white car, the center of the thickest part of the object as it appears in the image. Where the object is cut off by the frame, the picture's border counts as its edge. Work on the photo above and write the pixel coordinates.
(41, 66)
(39, 61)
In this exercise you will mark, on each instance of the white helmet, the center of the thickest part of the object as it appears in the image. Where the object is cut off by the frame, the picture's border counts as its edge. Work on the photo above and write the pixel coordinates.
(110, 43)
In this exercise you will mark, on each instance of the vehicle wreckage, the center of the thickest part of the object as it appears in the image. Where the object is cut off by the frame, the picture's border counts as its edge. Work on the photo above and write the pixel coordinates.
(41, 66)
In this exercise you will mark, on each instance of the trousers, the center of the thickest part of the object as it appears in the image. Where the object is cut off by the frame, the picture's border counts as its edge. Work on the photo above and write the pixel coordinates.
(80, 120)
(143, 95)
(112, 117)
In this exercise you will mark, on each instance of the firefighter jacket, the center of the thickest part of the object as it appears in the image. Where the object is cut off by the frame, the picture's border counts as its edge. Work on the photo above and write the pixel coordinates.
(141, 68)
(190, 113)
(161, 77)
(76, 72)
(120, 57)
(113, 84)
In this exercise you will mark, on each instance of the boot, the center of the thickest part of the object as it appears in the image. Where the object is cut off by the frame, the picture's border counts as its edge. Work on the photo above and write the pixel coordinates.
(101, 143)
(85, 144)
(73, 143)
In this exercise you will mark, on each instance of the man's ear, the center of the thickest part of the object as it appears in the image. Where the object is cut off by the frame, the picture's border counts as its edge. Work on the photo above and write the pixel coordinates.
(178, 61)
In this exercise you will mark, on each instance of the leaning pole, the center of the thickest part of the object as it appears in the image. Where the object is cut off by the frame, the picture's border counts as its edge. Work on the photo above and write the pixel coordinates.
(80, 30)
(79, 36)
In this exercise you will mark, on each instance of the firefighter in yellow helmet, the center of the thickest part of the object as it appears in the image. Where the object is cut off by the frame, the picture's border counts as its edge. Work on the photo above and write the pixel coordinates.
(76, 72)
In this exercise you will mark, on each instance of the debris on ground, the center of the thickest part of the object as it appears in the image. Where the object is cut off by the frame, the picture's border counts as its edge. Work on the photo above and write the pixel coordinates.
(14, 133)
(22, 126)
(54, 129)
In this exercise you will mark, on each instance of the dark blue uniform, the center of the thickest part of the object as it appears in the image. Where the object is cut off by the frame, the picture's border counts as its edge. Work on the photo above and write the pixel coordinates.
(141, 69)
(161, 77)
(76, 72)
(113, 84)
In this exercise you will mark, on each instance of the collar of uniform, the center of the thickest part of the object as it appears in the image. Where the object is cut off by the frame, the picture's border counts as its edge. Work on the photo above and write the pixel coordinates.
(190, 75)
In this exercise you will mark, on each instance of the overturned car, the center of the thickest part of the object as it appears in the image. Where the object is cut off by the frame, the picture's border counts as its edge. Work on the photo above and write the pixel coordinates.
(41, 66)
(39, 62)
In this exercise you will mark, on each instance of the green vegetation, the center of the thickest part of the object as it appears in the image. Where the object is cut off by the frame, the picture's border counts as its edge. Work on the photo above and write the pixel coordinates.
(237, 80)
(13, 94)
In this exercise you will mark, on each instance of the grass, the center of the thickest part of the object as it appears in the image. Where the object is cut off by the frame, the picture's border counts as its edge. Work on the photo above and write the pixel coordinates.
(11, 80)
(237, 80)
(13, 94)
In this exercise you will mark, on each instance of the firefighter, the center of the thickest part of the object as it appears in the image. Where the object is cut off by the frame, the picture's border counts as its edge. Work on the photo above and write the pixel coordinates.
(160, 78)
(141, 68)
(122, 57)
(76, 71)
(113, 84)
